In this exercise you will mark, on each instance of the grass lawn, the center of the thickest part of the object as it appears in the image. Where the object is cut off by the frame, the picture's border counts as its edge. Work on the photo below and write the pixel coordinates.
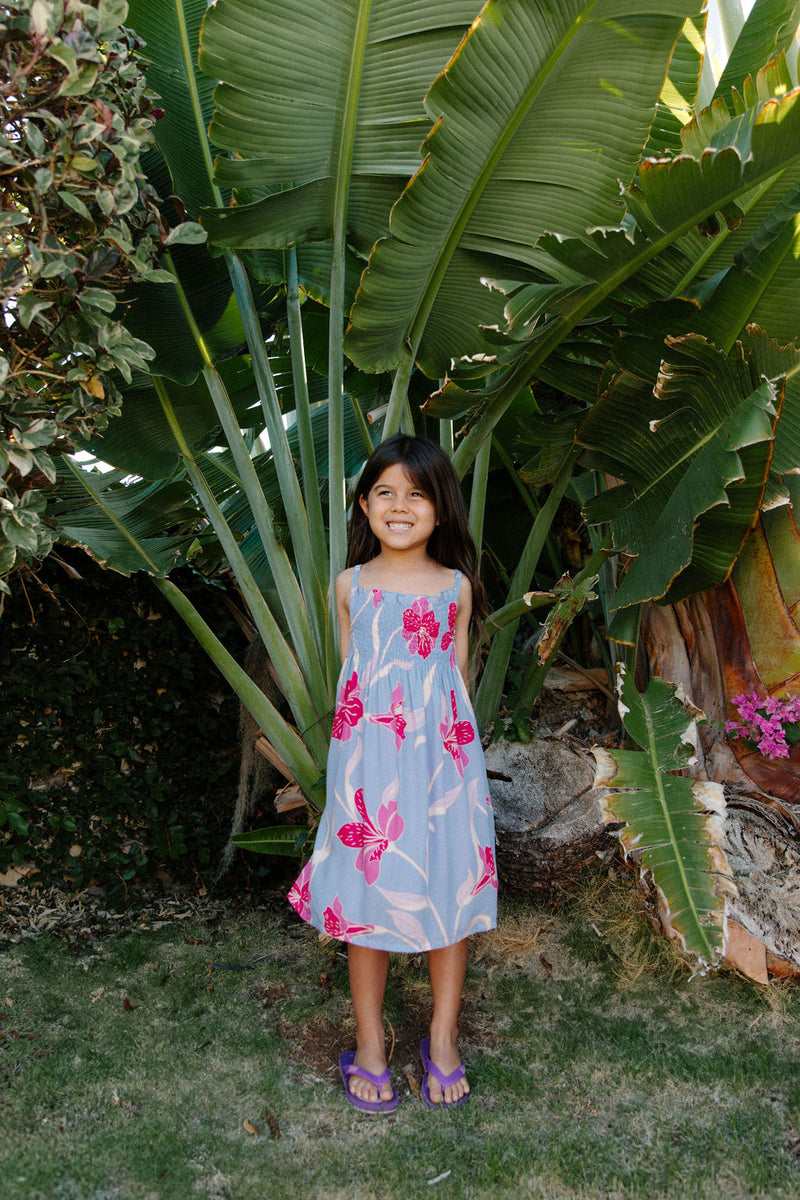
(138, 1065)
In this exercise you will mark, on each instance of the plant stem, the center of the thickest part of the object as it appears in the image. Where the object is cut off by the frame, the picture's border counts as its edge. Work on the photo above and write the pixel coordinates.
(494, 673)
(285, 740)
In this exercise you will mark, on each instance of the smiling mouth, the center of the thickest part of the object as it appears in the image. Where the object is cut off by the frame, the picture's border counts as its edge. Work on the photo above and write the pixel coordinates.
(399, 526)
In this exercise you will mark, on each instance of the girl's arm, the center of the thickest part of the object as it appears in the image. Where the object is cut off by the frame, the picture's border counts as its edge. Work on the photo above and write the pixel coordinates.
(463, 617)
(342, 589)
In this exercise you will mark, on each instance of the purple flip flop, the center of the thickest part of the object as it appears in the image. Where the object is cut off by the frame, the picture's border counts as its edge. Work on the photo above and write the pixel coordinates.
(347, 1068)
(430, 1068)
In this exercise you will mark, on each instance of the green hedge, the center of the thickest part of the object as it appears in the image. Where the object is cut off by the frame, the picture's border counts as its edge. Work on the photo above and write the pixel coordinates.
(122, 736)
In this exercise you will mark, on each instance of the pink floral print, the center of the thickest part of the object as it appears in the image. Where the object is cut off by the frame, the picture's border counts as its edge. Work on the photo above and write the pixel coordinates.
(349, 712)
(420, 627)
(489, 872)
(337, 925)
(300, 895)
(449, 638)
(455, 735)
(370, 841)
(394, 718)
(377, 596)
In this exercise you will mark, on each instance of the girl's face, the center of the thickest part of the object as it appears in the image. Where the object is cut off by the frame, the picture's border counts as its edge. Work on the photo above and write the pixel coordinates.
(401, 516)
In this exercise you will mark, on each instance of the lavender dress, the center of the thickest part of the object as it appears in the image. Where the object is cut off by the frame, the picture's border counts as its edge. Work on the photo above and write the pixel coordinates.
(404, 857)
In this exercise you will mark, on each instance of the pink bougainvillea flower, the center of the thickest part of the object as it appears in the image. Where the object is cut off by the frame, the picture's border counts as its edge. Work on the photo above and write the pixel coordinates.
(489, 873)
(370, 840)
(449, 638)
(300, 895)
(764, 722)
(337, 925)
(420, 627)
(455, 735)
(394, 718)
(350, 710)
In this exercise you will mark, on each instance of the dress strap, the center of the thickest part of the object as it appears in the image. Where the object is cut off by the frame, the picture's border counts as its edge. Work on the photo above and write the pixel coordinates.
(356, 573)
(457, 584)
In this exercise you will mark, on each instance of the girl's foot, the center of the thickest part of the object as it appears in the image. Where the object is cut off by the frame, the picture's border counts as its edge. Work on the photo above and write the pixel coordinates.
(444, 1054)
(362, 1088)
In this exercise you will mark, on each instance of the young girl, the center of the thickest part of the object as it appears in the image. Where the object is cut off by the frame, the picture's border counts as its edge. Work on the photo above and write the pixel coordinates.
(404, 857)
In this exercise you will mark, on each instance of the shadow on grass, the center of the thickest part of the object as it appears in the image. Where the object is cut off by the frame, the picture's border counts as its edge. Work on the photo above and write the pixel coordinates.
(199, 1059)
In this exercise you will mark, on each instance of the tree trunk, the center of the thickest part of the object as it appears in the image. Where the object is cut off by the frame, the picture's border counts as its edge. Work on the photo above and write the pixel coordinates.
(743, 637)
(547, 815)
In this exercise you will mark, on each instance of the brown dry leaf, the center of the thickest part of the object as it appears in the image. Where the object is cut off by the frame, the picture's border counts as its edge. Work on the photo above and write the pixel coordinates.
(413, 1085)
(131, 1109)
(274, 1127)
(250, 1127)
(126, 1004)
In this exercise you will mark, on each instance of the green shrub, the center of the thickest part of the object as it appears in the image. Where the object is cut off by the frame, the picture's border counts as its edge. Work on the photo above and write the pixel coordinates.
(122, 736)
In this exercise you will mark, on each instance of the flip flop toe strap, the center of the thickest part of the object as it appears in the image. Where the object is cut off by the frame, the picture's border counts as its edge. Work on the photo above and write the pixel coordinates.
(445, 1081)
(377, 1080)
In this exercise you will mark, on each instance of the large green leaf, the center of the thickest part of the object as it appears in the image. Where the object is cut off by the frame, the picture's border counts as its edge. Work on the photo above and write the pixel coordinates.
(321, 106)
(172, 33)
(774, 360)
(701, 439)
(156, 315)
(760, 285)
(677, 99)
(771, 26)
(140, 440)
(538, 117)
(673, 825)
(124, 526)
(669, 200)
(314, 262)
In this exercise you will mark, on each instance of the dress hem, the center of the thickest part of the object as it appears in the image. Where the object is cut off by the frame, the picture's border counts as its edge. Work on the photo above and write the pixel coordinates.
(392, 949)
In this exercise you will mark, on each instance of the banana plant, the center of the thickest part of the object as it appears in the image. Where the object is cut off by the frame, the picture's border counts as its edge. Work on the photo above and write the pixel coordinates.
(203, 390)
(455, 149)
(463, 216)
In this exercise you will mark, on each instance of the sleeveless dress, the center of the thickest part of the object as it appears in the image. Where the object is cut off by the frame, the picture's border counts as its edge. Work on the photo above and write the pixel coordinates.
(404, 856)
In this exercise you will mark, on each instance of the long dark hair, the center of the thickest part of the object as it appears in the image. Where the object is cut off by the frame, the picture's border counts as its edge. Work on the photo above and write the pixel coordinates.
(431, 470)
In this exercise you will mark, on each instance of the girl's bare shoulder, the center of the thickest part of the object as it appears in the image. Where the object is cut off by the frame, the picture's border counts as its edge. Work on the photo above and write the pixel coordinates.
(465, 591)
(344, 582)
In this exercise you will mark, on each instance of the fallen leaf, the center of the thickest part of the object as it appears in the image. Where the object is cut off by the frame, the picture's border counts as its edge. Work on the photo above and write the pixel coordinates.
(126, 1004)
(413, 1085)
(274, 1127)
(548, 966)
(250, 1127)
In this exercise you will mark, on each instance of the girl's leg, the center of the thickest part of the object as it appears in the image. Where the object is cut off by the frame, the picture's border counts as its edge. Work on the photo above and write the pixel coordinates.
(368, 970)
(447, 968)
